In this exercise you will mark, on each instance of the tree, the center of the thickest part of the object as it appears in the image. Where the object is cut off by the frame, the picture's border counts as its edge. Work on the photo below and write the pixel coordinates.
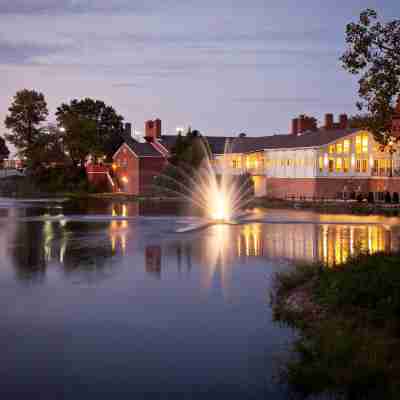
(80, 138)
(4, 152)
(374, 52)
(190, 150)
(100, 122)
(26, 115)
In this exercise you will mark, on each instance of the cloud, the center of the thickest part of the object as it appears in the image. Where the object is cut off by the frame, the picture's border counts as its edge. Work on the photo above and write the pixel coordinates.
(291, 100)
(127, 85)
(69, 6)
(24, 52)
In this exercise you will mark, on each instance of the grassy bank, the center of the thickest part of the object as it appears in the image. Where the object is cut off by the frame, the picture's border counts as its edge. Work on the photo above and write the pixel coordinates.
(331, 207)
(349, 322)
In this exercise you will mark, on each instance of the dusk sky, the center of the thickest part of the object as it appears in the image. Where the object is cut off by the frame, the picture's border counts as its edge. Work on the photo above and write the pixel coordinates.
(221, 66)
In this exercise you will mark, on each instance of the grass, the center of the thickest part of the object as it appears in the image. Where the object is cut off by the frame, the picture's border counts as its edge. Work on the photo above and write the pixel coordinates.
(353, 351)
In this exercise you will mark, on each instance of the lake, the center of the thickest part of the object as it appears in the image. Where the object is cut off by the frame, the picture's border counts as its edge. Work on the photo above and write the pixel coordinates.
(100, 299)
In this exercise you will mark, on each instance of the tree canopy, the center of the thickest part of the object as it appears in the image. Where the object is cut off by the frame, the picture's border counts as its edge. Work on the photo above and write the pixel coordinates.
(25, 119)
(374, 53)
(4, 151)
(190, 150)
(91, 127)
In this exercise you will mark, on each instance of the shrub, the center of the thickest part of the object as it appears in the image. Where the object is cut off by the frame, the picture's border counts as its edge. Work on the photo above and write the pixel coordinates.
(395, 198)
(371, 197)
(388, 198)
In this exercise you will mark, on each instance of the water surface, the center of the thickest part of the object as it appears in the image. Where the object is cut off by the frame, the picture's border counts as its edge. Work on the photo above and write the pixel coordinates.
(101, 300)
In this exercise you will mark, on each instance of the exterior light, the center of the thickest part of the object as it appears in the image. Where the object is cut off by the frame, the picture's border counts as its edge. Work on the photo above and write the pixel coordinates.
(125, 179)
(371, 161)
(114, 166)
(353, 161)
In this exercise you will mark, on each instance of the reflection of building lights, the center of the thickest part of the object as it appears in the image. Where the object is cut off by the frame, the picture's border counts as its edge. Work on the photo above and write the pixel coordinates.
(124, 210)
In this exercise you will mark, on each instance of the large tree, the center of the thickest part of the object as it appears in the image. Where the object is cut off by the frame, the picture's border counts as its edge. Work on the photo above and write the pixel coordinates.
(374, 53)
(99, 122)
(25, 119)
(4, 152)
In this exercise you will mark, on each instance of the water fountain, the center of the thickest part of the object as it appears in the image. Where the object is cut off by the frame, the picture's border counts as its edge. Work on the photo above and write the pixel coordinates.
(213, 188)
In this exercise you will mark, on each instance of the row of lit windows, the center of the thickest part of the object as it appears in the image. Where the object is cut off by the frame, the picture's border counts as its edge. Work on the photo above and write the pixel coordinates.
(342, 165)
(361, 145)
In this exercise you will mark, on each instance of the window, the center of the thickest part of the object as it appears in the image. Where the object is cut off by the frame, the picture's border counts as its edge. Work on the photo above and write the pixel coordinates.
(358, 144)
(339, 164)
(346, 146)
(235, 164)
(365, 144)
(339, 148)
(331, 165)
(346, 165)
(331, 149)
(358, 166)
(321, 164)
(364, 165)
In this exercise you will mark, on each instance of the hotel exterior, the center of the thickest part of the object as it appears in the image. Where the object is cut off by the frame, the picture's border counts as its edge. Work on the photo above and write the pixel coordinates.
(329, 162)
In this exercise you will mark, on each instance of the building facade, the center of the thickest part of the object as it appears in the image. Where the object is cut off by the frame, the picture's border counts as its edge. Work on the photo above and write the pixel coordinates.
(330, 162)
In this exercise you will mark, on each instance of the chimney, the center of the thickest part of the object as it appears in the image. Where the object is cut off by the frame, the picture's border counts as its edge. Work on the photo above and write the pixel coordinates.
(128, 129)
(152, 130)
(328, 121)
(148, 130)
(302, 124)
(157, 128)
(343, 121)
(295, 126)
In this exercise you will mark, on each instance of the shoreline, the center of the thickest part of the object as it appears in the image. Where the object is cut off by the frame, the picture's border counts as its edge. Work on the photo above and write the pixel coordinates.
(348, 323)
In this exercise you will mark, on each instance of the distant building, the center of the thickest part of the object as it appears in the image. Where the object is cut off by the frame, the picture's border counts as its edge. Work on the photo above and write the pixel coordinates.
(332, 161)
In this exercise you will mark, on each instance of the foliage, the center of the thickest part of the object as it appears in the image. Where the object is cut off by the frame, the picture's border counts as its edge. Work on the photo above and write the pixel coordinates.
(374, 51)
(26, 115)
(100, 127)
(4, 152)
(190, 150)
(354, 351)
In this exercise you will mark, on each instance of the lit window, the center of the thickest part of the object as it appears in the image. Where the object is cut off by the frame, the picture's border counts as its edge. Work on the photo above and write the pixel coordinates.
(365, 144)
(235, 164)
(339, 148)
(321, 164)
(331, 165)
(339, 165)
(364, 165)
(346, 146)
(358, 144)
(346, 165)
(331, 149)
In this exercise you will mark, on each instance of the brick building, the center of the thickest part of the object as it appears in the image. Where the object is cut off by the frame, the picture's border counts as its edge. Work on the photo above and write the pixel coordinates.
(314, 162)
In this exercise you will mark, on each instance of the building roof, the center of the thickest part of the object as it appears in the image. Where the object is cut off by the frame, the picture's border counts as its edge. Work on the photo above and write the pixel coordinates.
(141, 149)
(217, 143)
(317, 138)
(248, 144)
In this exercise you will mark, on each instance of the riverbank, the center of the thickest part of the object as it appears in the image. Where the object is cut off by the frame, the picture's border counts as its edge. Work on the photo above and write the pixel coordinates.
(349, 323)
(331, 207)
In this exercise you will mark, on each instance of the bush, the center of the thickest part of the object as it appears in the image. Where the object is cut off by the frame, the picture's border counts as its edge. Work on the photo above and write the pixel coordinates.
(395, 198)
(360, 197)
(371, 197)
(388, 198)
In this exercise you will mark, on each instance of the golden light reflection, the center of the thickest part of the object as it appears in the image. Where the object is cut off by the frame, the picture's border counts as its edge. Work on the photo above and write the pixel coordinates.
(119, 229)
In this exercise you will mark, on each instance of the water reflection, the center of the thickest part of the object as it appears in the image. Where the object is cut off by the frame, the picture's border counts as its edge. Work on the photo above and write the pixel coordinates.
(89, 247)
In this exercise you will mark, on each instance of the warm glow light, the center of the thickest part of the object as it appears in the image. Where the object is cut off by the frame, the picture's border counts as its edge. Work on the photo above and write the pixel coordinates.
(114, 166)
(125, 179)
